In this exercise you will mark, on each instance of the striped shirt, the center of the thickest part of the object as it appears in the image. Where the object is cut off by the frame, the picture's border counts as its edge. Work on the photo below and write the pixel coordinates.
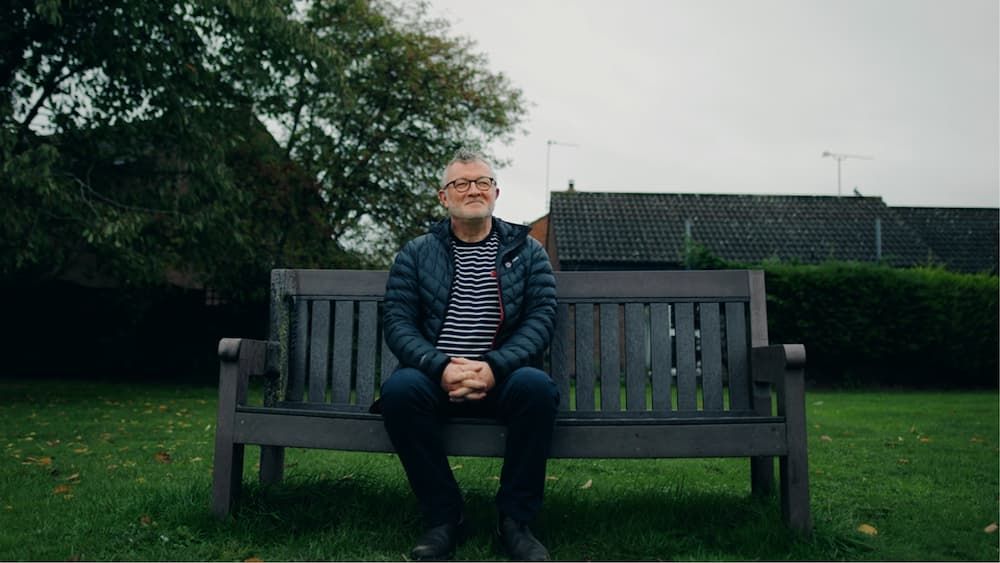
(473, 316)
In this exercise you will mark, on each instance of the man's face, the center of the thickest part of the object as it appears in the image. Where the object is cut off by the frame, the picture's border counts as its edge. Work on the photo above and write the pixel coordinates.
(474, 203)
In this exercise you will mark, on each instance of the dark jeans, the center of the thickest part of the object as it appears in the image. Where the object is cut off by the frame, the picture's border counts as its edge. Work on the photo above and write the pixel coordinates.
(415, 409)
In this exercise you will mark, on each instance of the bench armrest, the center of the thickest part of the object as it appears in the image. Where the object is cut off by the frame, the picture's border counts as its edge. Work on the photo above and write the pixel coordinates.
(260, 356)
(239, 359)
(769, 363)
(784, 366)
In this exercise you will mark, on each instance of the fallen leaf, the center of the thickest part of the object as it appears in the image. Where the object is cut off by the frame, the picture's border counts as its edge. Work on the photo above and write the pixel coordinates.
(195, 459)
(588, 484)
(162, 457)
(903, 461)
(146, 520)
(925, 440)
(913, 430)
(74, 477)
(62, 490)
(976, 440)
(868, 529)
(991, 529)
(818, 403)
(825, 438)
(43, 461)
(456, 467)
(551, 478)
(494, 478)
(163, 408)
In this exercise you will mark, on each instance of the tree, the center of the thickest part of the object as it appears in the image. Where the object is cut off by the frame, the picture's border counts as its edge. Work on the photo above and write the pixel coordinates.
(377, 116)
(131, 132)
(116, 122)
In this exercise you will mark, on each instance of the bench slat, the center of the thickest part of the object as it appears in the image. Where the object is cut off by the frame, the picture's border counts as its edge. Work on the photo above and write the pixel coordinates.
(610, 359)
(319, 343)
(656, 286)
(299, 335)
(584, 357)
(388, 360)
(559, 354)
(482, 438)
(367, 345)
(635, 357)
(326, 410)
(660, 356)
(736, 348)
(343, 338)
(711, 356)
(687, 376)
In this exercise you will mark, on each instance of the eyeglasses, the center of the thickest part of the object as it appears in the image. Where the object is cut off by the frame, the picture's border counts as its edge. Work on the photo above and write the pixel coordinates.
(462, 185)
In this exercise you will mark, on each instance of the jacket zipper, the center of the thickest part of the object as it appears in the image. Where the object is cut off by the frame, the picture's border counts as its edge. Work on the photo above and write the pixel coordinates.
(501, 254)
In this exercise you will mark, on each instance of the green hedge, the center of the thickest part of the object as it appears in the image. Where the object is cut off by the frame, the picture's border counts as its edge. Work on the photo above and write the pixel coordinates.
(869, 324)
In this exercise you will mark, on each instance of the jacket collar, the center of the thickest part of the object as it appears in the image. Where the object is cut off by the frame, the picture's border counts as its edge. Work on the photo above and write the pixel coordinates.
(510, 234)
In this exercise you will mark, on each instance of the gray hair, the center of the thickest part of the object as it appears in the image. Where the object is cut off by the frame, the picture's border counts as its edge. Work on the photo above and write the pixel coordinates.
(465, 156)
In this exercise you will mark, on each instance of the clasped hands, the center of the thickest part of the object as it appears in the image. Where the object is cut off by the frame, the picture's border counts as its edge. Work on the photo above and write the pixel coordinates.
(467, 380)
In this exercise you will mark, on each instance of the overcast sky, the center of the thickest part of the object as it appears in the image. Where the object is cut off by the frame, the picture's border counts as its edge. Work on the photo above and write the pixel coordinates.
(740, 96)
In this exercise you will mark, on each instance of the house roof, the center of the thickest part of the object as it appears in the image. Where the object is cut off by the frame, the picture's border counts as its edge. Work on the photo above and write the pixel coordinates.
(600, 229)
(964, 238)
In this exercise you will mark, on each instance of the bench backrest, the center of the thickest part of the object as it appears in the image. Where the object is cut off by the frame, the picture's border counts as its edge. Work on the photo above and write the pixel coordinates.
(665, 341)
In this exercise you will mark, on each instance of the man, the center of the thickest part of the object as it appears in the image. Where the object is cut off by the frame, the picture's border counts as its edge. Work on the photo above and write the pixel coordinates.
(469, 308)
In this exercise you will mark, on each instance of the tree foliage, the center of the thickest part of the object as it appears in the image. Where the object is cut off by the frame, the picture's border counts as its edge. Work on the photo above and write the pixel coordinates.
(223, 138)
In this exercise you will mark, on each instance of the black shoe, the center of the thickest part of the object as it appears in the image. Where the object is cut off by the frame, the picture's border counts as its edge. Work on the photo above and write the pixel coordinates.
(438, 543)
(518, 541)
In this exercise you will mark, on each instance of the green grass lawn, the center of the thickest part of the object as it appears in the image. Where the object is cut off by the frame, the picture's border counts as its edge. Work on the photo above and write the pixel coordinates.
(123, 471)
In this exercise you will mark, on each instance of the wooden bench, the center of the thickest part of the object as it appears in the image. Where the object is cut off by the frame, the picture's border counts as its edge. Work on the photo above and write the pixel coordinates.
(684, 355)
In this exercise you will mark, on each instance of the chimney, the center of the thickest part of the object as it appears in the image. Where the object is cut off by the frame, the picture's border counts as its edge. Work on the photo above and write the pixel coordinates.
(572, 185)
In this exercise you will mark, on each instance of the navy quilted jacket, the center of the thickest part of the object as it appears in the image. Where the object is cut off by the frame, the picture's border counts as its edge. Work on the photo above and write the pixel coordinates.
(416, 297)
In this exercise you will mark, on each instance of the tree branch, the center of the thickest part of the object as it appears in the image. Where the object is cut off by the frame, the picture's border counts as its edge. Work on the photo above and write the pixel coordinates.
(51, 86)
(85, 188)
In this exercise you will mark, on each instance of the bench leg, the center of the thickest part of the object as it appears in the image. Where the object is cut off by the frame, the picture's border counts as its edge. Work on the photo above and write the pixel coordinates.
(272, 465)
(795, 493)
(762, 468)
(762, 476)
(794, 467)
(227, 477)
